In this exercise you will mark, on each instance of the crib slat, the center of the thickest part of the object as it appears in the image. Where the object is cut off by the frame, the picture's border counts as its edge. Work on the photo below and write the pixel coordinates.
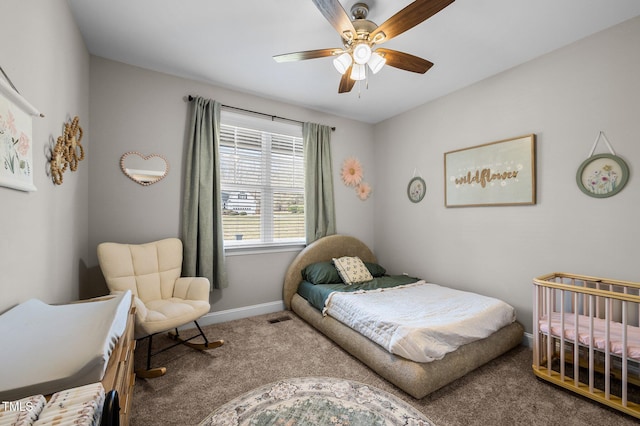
(624, 353)
(598, 287)
(607, 345)
(591, 351)
(562, 355)
(537, 314)
(549, 338)
(576, 341)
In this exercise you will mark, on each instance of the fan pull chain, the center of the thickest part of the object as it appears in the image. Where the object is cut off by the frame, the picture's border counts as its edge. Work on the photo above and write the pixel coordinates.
(366, 77)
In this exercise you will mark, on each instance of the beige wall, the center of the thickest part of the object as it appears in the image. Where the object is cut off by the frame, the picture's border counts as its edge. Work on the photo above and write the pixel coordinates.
(565, 98)
(133, 109)
(43, 234)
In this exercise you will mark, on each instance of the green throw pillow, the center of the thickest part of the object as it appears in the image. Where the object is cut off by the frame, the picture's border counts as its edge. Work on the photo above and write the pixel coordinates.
(375, 269)
(321, 273)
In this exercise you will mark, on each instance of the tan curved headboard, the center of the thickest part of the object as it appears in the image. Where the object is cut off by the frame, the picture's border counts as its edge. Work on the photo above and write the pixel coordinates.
(322, 250)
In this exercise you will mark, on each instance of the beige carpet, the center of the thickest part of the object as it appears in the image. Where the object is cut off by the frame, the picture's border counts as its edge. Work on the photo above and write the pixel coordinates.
(258, 352)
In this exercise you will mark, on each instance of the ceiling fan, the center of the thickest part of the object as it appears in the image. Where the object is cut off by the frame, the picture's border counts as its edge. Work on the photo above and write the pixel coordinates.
(361, 38)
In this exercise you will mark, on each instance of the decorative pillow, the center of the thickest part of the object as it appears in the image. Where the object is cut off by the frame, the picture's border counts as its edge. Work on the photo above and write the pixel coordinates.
(375, 269)
(352, 270)
(321, 273)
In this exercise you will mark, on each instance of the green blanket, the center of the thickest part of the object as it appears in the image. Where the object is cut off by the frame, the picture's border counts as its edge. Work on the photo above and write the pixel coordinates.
(317, 294)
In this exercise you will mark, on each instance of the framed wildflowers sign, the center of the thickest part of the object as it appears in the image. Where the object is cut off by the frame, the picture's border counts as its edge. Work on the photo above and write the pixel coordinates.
(494, 174)
(602, 175)
(16, 143)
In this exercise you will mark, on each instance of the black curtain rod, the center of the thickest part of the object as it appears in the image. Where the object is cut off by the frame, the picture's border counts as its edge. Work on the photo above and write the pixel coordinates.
(273, 117)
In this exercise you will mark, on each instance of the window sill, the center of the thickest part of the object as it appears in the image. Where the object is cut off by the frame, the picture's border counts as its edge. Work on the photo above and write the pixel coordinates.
(262, 249)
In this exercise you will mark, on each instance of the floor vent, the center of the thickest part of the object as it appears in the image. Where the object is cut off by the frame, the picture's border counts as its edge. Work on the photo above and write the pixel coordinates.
(280, 319)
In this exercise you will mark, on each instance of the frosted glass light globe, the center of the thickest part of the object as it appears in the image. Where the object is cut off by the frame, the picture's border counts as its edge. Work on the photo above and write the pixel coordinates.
(361, 53)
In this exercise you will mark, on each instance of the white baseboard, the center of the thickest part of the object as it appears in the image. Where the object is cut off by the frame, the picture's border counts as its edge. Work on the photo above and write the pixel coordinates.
(527, 340)
(239, 313)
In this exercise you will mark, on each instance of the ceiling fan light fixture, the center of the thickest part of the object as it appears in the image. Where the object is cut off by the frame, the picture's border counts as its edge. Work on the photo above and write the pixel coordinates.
(361, 53)
(360, 37)
(358, 72)
(376, 62)
(342, 62)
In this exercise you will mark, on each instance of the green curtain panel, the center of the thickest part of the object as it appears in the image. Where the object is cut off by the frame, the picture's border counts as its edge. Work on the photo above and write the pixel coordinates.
(201, 209)
(320, 216)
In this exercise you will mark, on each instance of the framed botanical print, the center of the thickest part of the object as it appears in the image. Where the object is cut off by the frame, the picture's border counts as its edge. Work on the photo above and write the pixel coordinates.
(16, 142)
(602, 175)
(416, 189)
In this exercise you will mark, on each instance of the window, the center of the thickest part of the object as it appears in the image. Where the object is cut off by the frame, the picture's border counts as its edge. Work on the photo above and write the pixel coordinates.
(261, 180)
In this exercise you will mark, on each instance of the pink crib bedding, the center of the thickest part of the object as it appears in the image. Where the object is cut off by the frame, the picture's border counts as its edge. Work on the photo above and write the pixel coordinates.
(599, 339)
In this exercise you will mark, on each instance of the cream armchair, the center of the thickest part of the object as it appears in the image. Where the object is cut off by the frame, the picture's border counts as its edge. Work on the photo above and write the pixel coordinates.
(164, 300)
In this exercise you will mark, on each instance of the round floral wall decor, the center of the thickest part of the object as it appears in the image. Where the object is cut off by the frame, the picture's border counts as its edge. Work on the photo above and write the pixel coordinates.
(351, 172)
(602, 175)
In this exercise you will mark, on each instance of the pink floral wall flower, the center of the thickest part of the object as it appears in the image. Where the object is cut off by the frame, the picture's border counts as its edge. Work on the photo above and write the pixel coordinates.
(11, 123)
(351, 172)
(363, 190)
(23, 145)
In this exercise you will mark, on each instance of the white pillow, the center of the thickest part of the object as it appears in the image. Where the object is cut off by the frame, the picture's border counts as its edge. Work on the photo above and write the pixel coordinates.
(352, 269)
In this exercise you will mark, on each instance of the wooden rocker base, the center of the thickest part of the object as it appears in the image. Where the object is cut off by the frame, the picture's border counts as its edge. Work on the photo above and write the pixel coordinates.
(151, 373)
(198, 346)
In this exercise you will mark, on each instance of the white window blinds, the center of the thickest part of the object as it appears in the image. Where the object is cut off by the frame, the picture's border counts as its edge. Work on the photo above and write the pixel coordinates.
(262, 181)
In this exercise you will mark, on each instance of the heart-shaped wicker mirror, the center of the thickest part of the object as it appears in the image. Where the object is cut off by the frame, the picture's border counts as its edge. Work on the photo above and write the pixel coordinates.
(144, 169)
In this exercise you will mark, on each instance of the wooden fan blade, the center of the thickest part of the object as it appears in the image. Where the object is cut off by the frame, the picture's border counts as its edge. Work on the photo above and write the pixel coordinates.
(308, 54)
(346, 83)
(404, 61)
(409, 17)
(333, 12)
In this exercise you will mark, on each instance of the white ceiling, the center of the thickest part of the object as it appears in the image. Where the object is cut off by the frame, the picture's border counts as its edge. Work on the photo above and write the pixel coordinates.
(231, 44)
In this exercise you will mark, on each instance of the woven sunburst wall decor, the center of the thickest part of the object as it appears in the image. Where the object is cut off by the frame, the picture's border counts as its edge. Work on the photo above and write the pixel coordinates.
(68, 151)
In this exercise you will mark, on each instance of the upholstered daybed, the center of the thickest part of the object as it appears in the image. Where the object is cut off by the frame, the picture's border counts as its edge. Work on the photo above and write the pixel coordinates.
(416, 378)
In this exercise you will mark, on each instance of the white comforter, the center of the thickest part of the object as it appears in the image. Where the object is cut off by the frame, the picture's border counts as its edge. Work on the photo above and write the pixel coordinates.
(422, 322)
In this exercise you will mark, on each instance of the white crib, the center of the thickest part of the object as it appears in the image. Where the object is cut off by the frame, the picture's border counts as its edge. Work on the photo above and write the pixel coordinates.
(587, 337)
